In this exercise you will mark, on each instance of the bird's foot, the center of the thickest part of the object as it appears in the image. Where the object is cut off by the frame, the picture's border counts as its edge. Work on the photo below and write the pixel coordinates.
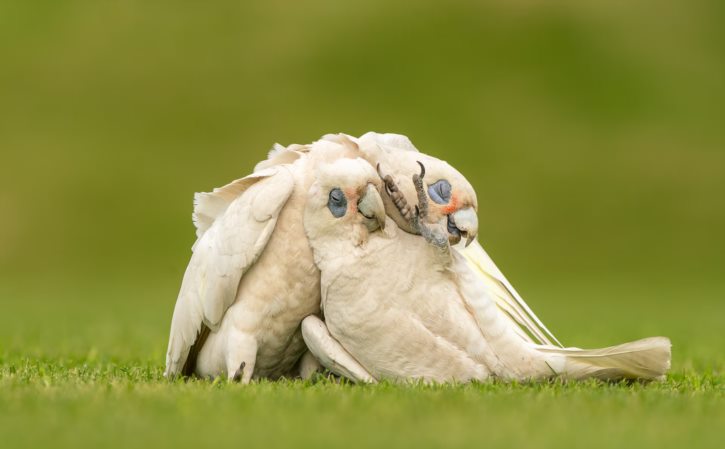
(435, 235)
(239, 373)
(391, 188)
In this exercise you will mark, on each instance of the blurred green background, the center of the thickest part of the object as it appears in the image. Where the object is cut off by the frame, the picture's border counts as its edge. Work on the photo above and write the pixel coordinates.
(594, 133)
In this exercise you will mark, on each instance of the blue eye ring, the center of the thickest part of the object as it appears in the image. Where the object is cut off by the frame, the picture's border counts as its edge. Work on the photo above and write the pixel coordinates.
(337, 203)
(440, 192)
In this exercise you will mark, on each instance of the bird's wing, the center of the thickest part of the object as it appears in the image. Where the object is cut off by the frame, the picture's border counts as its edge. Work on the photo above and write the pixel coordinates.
(505, 296)
(233, 224)
(280, 155)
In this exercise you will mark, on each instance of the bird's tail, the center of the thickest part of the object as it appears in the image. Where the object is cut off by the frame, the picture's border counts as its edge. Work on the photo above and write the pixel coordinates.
(642, 359)
(646, 359)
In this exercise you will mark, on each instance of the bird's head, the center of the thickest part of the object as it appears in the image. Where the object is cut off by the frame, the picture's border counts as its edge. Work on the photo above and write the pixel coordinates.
(452, 200)
(344, 202)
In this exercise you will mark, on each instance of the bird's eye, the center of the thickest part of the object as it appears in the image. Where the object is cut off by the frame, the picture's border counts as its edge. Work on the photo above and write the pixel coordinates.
(440, 192)
(337, 203)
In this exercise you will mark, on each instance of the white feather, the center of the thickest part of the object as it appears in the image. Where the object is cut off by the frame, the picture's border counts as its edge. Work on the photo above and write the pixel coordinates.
(504, 293)
(649, 358)
(233, 224)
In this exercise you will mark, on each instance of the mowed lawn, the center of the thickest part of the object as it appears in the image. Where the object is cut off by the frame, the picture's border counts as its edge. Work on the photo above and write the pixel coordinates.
(591, 131)
(87, 373)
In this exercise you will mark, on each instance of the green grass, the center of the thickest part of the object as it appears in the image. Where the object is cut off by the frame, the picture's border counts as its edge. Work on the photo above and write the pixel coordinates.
(72, 403)
(592, 132)
(68, 402)
(86, 373)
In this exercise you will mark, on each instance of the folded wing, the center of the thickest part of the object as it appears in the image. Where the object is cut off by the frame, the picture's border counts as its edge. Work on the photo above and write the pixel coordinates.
(505, 296)
(234, 224)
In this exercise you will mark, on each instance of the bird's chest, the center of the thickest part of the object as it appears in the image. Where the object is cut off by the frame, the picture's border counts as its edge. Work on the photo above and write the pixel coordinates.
(282, 289)
(278, 333)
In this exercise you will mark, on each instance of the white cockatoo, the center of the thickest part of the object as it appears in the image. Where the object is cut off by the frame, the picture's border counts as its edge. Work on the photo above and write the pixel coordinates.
(454, 204)
(251, 278)
(399, 306)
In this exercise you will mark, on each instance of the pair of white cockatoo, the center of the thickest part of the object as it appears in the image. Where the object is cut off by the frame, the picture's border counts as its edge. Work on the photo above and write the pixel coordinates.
(380, 239)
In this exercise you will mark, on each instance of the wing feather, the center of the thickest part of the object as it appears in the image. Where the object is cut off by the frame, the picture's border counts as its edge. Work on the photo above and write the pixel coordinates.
(505, 295)
(234, 224)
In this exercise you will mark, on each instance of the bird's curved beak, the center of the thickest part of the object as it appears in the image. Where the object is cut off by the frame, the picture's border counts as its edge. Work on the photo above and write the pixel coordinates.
(463, 224)
(371, 207)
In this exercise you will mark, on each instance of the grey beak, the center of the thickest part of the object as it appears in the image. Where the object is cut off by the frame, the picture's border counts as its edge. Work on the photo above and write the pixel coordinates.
(466, 221)
(372, 208)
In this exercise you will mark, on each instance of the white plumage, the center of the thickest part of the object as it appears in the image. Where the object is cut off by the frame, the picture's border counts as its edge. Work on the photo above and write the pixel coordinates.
(405, 309)
(252, 279)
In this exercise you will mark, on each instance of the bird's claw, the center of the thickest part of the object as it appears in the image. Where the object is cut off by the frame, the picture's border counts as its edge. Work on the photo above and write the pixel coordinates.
(239, 373)
(396, 195)
(415, 216)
